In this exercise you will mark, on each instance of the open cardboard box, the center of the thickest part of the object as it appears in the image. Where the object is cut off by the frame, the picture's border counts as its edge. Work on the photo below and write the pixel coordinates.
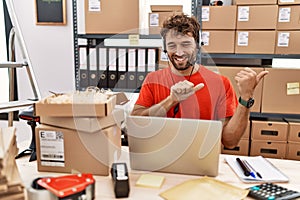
(79, 109)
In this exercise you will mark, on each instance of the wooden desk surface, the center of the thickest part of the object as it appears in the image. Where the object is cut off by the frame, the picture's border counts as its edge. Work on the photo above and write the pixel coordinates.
(104, 189)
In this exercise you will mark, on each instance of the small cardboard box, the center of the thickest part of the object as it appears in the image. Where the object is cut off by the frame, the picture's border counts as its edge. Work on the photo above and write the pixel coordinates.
(287, 96)
(217, 41)
(287, 42)
(288, 17)
(293, 151)
(257, 17)
(159, 13)
(88, 124)
(219, 17)
(255, 2)
(269, 130)
(42, 108)
(269, 149)
(255, 42)
(72, 151)
(294, 132)
(230, 72)
(241, 149)
(288, 2)
(111, 16)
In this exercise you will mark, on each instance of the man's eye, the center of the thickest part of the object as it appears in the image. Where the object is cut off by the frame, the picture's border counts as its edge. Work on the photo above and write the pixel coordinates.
(186, 45)
(171, 46)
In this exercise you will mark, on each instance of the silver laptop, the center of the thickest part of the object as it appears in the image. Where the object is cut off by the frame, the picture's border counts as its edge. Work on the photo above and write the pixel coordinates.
(173, 145)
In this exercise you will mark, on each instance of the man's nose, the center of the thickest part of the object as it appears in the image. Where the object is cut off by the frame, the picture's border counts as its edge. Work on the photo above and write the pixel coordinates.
(179, 51)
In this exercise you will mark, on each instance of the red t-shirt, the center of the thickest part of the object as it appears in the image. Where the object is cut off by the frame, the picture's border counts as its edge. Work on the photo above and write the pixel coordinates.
(216, 100)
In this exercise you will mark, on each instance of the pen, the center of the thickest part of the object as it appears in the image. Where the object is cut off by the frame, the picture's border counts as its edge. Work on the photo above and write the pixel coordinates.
(248, 168)
(257, 173)
(243, 166)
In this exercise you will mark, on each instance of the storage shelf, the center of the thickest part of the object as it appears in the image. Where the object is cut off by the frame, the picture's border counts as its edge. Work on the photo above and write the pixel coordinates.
(116, 36)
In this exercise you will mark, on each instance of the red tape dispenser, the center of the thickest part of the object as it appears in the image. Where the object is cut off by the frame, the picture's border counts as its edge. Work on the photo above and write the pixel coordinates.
(75, 186)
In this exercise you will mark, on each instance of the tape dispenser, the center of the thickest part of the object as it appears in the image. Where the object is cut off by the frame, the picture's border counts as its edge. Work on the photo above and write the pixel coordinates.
(69, 187)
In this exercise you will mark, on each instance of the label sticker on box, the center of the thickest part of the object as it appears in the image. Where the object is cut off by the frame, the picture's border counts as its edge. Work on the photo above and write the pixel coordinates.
(94, 6)
(243, 38)
(205, 14)
(283, 39)
(293, 88)
(243, 14)
(284, 14)
(52, 148)
(205, 38)
(154, 19)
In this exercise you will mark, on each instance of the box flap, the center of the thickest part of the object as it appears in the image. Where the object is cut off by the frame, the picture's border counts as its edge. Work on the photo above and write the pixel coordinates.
(86, 124)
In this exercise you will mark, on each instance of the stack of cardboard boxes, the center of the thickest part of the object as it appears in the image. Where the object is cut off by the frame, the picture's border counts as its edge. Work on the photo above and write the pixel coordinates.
(256, 24)
(78, 138)
(259, 27)
(293, 148)
(288, 27)
(218, 29)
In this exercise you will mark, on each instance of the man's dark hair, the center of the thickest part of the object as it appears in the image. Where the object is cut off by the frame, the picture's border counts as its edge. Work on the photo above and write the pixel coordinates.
(181, 23)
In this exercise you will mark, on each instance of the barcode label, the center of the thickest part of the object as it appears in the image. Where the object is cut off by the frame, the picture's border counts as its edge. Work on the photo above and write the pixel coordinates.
(52, 148)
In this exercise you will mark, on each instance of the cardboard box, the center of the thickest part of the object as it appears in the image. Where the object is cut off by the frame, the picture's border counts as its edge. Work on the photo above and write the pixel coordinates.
(42, 108)
(218, 41)
(241, 149)
(269, 149)
(288, 2)
(255, 42)
(288, 17)
(88, 124)
(112, 17)
(158, 15)
(294, 132)
(286, 99)
(230, 72)
(72, 151)
(269, 130)
(219, 17)
(287, 42)
(162, 59)
(255, 2)
(257, 17)
(293, 151)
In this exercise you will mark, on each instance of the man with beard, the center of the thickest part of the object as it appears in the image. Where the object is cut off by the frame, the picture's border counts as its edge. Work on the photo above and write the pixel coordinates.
(188, 90)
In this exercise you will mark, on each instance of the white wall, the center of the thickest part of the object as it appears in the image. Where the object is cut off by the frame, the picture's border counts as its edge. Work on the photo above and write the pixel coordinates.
(50, 50)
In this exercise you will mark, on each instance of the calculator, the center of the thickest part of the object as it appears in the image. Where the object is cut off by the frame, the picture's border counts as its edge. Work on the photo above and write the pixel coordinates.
(270, 191)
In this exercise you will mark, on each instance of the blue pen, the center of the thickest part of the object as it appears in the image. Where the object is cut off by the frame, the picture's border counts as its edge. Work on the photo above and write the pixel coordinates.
(249, 168)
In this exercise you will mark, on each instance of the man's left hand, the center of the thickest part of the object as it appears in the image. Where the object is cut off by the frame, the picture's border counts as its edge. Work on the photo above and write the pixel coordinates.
(247, 79)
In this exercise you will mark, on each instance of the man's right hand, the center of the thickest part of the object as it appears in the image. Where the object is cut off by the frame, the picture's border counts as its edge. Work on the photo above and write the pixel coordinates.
(183, 89)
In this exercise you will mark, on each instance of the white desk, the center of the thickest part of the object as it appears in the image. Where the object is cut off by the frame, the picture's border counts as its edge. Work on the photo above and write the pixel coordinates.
(104, 188)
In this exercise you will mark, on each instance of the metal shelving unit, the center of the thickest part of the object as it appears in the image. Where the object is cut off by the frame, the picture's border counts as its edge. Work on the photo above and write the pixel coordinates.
(196, 10)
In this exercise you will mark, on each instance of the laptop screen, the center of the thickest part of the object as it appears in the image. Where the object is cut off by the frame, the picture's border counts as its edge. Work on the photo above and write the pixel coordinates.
(174, 145)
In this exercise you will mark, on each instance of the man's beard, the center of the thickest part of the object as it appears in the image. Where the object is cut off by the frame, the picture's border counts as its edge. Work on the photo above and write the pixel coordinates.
(190, 62)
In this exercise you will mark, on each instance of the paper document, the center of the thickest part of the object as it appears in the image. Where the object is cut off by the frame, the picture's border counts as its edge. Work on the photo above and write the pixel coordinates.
(258, 165)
